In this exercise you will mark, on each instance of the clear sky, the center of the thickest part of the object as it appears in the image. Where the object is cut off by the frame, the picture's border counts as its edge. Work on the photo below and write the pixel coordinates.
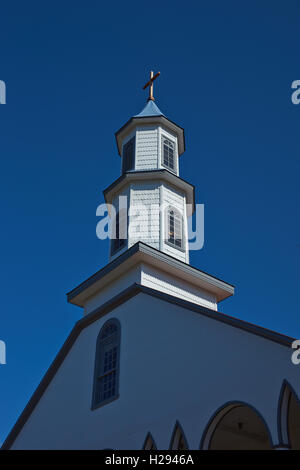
(74, 73)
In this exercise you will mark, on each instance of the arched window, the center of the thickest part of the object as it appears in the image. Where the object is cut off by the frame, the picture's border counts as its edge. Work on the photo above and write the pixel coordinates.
(168, 154)
(107, 361)
(149, 443)
(174, 228)
(178, 440)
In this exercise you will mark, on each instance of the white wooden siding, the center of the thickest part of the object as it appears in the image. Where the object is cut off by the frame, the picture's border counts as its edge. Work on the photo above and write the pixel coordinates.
(174, 286)
(144, 225)
(146, 157)
(148, 203)
(148, 147)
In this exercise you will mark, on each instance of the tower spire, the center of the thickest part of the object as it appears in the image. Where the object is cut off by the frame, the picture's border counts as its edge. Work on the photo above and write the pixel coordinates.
(150, 85)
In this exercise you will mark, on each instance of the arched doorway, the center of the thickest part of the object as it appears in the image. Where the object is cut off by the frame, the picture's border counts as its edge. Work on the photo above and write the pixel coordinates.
(236, 426)
(294, 422)
(289, 409)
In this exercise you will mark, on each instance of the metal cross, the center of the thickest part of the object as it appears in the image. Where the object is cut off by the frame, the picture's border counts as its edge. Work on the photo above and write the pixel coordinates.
(150, 85)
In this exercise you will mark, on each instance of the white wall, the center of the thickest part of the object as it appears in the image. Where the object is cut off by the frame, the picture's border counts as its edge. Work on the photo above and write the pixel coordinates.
(161, 281)
(144, 221)
(148, 148)
(153, 278)
(175, 365)
(111, 289)
(149, 226)
(146, 156)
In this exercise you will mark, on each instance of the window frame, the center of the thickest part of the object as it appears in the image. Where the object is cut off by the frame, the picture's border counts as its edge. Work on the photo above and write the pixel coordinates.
(177, 211)
(99, 361)
(175, 156)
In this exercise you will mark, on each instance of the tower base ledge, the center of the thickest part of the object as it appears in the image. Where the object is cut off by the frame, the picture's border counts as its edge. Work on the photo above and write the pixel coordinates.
(144, 265)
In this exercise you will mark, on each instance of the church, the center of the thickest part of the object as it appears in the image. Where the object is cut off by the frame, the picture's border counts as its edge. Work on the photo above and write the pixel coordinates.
(154, 363)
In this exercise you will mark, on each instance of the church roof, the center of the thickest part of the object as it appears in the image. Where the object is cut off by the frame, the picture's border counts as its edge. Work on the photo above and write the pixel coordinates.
(151, 109)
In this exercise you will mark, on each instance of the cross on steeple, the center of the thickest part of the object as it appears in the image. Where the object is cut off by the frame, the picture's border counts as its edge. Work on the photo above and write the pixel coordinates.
(150, 85)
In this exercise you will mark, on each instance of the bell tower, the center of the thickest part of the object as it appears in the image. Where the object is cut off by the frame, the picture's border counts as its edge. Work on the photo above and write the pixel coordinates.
(151, 202)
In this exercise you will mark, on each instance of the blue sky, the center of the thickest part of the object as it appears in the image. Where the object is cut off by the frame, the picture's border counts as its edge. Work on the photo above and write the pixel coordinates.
(74, 73)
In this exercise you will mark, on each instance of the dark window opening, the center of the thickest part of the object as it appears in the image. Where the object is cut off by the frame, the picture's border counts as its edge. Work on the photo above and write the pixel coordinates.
(118, 236)
(128, 155)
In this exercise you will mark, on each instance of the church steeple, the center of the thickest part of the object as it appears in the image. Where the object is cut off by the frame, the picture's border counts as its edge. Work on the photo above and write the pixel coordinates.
(158, 200)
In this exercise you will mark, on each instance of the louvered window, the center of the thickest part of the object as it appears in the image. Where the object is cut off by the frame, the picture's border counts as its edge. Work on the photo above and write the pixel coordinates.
(128, 155)
(118, 240)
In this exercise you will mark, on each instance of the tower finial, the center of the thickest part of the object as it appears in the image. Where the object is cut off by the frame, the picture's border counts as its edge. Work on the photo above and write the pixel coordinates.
(150, 85)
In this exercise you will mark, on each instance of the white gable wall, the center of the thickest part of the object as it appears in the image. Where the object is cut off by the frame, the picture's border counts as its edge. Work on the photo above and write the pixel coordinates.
(174, 365)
